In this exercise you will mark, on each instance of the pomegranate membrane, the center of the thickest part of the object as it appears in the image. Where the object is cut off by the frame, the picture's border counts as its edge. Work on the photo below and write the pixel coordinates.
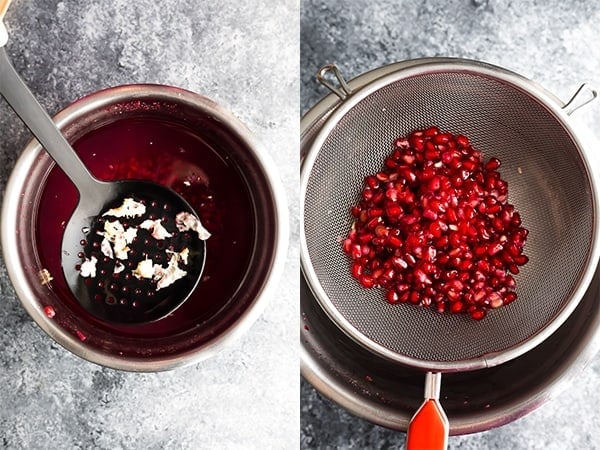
(434, 227)
(134, 255)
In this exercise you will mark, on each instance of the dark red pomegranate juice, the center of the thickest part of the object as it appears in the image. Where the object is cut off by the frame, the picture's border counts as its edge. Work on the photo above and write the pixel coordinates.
(173, 155)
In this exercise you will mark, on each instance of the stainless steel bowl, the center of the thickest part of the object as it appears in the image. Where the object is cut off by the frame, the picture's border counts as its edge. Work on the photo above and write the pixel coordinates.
(388, 393)
(162, 345)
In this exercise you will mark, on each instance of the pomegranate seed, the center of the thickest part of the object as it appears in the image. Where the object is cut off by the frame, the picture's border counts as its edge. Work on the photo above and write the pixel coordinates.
(434, 228)
(510, 297)
(437, 228)
(469, 165)
(372, 224)
(496, 303)
(430, 214)
(372, 182)
(365, 238)
(394, 241)
(49, 311)
(432, 154)
(82, 337)
(431, 131)
(414, 297)
(382, 176)
(408, 158)
(421, 276)
(492, 164)
(390, 164)
(392, 194)
(430, 254)
(452, 295)
(435, 183)
(479, 296)
(455, 285)
(521, 260)
(443, 138)
(357, 270)
(393, 211)
(381, 230)
(355, 251)
(399, 263)
(392, 297)
(456, 307)
(417, 143)
(404, 297)
(478, 314)
(516, 219)
(494, 248)
(367, 281)
(374, 212)
(462, 141)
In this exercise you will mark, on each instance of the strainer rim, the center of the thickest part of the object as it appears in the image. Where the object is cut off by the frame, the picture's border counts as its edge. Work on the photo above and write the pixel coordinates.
(415, 68)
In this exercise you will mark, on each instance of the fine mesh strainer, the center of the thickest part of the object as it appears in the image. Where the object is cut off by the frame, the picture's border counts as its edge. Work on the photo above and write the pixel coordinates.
(551, 183)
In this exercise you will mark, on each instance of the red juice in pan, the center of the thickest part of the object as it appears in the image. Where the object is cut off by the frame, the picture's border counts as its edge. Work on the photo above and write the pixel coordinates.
(173, 155)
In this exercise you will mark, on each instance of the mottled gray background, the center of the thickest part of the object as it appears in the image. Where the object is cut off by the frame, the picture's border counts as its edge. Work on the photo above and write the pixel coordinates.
(244, 55)
(554, 43)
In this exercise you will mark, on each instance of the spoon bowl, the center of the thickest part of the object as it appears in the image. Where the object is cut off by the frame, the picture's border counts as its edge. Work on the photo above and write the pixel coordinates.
(129, 308)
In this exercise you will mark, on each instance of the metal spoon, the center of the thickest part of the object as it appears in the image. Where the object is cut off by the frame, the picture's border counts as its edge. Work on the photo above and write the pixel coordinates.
(94, 197)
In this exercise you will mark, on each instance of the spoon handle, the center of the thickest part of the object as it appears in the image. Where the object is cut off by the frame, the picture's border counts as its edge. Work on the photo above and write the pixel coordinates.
(3, 7)
(20, 98)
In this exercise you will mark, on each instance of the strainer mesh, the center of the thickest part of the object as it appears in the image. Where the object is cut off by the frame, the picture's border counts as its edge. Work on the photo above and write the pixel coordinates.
(548, 184)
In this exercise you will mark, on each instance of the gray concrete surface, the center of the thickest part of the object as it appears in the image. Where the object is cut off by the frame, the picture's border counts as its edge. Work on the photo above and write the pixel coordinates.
(553, 43)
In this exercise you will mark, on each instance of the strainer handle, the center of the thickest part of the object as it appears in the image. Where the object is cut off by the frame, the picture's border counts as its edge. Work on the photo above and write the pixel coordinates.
(343, 90)
(428, 429)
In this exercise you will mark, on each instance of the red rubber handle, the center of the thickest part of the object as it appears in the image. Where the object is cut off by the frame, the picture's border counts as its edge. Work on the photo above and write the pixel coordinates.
(428, 429)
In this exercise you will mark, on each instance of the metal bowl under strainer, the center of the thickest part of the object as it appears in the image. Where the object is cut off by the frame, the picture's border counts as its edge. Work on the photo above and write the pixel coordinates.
(551, 183)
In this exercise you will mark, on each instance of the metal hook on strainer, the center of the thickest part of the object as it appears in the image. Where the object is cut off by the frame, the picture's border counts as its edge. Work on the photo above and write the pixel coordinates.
(584, 95)
(343, 91)
(552, 184)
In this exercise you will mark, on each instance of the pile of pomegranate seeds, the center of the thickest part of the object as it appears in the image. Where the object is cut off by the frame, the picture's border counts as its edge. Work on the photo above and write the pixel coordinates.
(434, 228)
